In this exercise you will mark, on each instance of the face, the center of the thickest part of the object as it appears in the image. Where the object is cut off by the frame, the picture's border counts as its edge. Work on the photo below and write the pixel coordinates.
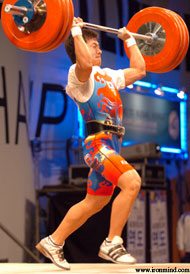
(95, 51)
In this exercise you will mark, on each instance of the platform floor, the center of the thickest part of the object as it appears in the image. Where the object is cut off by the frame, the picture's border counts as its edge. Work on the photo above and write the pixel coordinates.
(49, 268)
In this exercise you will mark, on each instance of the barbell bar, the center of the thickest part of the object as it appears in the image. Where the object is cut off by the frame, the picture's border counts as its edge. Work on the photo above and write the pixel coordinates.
(152, 37)
(162, 35)
(22, 11)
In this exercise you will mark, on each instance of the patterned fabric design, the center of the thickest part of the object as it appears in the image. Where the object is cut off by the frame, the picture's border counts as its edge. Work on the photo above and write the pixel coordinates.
(101, 154)
(105, 103)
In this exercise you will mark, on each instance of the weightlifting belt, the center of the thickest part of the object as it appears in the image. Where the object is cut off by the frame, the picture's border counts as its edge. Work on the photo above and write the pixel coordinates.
(94, 127)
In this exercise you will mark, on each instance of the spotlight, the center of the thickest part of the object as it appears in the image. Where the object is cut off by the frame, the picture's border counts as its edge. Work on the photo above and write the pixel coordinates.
(130, 86)
(159, 92)
(158, 148)
(181, 94)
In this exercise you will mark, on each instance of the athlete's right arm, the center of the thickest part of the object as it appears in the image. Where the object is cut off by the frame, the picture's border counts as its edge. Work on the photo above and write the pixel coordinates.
(83, 58)
(137, 69)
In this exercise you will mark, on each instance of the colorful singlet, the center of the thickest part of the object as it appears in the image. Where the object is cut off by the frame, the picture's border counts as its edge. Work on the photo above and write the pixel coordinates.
(99, 99)
(105, 103)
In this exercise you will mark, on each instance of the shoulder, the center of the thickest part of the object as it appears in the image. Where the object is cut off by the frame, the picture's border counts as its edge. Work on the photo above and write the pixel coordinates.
(81, 91)
(113, 71)
(117, 76)
(73, 77)
(109, 72)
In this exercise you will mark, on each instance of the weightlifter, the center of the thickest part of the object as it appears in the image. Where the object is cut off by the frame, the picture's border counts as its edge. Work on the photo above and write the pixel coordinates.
(96, 92)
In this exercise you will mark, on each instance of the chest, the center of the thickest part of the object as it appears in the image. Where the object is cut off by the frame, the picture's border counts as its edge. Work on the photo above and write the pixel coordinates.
(105, 90)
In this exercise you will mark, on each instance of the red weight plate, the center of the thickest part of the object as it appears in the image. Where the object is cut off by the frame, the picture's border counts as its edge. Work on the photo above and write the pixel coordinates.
(71, 8)
(184, 43)
(181, 29)
(159, 15)
(42, 37)
(70, 17)
(168, 59)
(64, 33)
(185, 38)
(66, 19)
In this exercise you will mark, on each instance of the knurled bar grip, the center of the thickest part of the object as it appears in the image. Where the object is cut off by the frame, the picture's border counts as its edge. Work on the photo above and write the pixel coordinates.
(116, 31)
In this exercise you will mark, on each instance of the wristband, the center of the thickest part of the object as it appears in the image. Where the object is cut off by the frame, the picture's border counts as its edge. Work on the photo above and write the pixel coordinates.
(76, 31)
(130, 42)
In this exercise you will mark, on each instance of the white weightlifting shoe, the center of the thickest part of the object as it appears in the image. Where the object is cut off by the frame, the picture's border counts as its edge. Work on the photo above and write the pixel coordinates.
(54, 252)
(114, 251)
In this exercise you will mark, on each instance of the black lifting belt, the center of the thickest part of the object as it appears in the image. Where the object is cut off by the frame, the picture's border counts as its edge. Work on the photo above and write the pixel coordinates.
(94, 127)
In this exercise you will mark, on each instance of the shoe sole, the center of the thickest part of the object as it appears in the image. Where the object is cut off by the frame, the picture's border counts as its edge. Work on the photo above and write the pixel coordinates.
(46, 253)
(106, 257)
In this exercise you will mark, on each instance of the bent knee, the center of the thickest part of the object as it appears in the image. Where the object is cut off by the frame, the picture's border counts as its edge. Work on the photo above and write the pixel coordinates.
(137, 179)
(130, 181)
(135, 183)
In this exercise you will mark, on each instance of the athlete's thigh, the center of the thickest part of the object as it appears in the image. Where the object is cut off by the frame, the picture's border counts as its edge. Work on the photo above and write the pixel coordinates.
(103, 159)
(98, 185)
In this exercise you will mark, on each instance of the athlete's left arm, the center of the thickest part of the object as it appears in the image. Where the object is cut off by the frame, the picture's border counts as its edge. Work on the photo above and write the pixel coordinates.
(137, 69)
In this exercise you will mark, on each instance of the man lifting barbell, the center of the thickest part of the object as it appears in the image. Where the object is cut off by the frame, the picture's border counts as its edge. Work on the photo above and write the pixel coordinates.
(95, 91)
(161, 34)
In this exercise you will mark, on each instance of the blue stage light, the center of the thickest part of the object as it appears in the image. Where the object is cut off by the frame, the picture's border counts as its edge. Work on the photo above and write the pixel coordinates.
(143, 84)
(170, 150)
(172, 90)
(81, 124)
(183, 125)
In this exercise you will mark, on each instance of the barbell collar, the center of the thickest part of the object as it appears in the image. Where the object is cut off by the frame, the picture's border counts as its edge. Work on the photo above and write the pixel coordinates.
(24, 11)
(15, 10)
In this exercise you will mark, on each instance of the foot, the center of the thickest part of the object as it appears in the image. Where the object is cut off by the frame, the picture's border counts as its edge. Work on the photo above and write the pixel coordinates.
(115, 252)
(54, 252)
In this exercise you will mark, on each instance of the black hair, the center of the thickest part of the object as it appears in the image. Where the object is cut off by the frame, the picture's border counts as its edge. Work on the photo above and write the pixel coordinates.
(69, 42)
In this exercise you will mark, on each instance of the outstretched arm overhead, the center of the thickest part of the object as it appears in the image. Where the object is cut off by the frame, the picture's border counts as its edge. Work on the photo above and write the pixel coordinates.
(137, 69)
(83, 56)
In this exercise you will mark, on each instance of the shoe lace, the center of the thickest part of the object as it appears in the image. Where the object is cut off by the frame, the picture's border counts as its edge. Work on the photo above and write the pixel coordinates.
(57, 253)
(119, 250)
(60, 254)
(122, 250)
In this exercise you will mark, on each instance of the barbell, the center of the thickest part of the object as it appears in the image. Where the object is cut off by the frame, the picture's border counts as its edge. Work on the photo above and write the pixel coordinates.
(43, 25)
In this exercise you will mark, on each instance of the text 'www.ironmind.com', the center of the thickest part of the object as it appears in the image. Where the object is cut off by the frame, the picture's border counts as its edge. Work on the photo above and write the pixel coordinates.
(163, 270)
